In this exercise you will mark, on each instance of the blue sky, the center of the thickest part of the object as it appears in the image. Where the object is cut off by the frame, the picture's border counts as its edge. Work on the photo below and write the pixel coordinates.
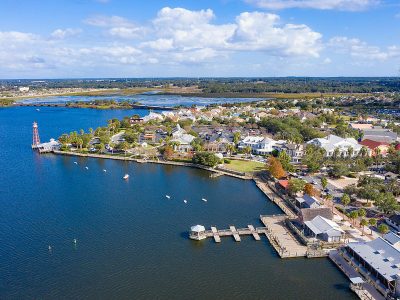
(190, 38)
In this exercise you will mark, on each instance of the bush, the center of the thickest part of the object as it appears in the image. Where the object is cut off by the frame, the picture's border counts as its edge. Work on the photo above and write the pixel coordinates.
(227, 161)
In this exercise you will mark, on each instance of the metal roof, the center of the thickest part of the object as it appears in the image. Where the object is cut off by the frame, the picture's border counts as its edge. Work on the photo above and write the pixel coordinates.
(381, 255)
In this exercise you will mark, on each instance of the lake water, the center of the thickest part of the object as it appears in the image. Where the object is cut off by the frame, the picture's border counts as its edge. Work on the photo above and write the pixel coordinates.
(148, 99)
(132, 241)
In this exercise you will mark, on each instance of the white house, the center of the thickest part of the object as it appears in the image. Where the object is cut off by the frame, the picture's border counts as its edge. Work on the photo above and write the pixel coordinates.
(332, 142)
(182, 139)
(259, 144)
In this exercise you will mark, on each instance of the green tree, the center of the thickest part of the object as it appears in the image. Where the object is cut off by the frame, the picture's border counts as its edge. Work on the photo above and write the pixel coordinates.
(324, 182)
(383, 228)
(295, 185)
(206, 158)
(353, 215)
(363, 223)
(387, 203)
(285, 159)
(236, 137)
(345, 200)
(314, 158)
(362, 213)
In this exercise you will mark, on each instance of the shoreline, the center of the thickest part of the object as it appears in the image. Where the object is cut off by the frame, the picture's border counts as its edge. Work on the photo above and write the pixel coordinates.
(138, 160)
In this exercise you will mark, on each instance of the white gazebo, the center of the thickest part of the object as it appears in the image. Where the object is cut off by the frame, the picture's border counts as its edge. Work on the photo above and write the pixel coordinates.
(197, 232)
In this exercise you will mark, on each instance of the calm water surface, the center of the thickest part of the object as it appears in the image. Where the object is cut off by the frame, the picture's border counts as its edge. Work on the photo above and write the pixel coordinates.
(132, 241)
(149, 99)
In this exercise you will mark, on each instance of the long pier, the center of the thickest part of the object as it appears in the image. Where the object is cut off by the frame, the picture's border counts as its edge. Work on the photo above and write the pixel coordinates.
(235, 232)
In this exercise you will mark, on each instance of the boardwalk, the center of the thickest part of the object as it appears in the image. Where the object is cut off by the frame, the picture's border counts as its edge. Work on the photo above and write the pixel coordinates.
(281, 238)
(264, 187)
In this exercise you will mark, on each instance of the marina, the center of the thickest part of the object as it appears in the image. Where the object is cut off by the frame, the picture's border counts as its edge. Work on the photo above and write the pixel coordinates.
(122, 226)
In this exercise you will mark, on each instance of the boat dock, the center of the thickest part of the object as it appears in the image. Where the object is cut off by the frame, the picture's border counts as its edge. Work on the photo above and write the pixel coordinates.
(234, 232)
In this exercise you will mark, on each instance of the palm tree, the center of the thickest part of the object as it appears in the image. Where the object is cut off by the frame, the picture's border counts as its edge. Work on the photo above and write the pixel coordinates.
(230, 148)
(350, 152)
(247, 150)
(372, 222)
(363, 223)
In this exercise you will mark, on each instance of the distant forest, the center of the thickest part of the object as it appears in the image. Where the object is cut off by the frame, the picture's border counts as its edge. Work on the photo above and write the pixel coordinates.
(230, 85)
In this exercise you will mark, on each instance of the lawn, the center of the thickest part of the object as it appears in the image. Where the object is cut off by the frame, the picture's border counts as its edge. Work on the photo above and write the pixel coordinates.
(245, 166)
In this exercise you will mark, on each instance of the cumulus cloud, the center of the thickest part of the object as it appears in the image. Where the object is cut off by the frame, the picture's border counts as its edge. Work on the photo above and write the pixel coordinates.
(348, 5)
(64, 33)
(362, 50)
(179, 37)
(184, 30)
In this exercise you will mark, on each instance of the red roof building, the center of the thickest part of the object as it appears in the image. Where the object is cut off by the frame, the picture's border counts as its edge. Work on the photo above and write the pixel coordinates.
(374, 145)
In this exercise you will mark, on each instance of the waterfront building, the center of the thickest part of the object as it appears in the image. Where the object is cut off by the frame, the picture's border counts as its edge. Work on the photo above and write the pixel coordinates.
(307, 201)
(324, 229)
(378, 261)
(333, 142)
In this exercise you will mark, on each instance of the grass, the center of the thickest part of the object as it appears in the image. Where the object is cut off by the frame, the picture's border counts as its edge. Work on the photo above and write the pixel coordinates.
(245, 166)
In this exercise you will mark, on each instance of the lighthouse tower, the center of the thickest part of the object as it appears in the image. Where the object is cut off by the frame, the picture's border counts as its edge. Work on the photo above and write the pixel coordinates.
(35, 136)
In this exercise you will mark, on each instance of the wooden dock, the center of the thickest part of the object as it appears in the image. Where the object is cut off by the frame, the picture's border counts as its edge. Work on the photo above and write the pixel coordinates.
(235, 233)
(215, 234)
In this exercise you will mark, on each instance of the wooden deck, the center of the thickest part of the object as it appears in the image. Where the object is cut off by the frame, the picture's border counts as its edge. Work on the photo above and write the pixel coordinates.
(281, 238)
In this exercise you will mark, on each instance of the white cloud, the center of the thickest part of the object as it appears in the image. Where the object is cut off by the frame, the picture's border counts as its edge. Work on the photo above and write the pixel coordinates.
(64, 33)
(108, 21)
(116, 26)
(361, 50)
(348, 5)
(262, 31)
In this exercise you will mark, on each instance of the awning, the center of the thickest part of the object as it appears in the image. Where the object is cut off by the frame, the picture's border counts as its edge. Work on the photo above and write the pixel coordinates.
(356, 280)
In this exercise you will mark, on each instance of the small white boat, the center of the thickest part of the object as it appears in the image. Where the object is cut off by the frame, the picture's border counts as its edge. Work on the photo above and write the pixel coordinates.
(75, 162)
(126, 176)
(204, 199)
(184, 201)
(75, 241)
(37, 109)
(86, 168)
(104, 170)
(49, 248)
(168, 196)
